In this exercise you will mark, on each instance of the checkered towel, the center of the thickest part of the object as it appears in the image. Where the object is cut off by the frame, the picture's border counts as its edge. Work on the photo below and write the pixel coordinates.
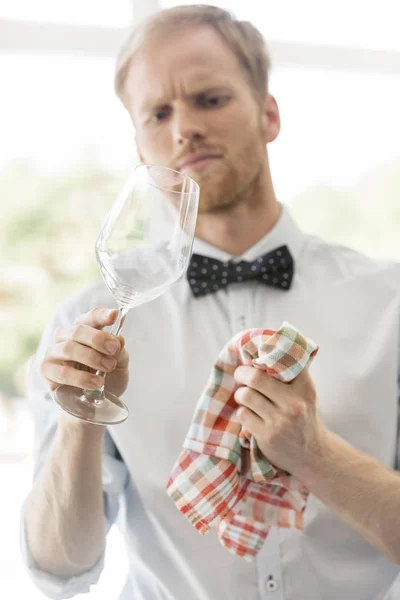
(221, 478)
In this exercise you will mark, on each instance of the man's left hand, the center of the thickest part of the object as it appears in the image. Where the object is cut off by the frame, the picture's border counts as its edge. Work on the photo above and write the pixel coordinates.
(283, 417)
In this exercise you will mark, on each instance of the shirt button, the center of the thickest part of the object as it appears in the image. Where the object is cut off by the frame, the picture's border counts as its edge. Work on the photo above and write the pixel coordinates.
(271, 585)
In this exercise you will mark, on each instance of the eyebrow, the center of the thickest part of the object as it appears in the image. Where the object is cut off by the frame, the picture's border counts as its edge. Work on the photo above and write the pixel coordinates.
(204, 88)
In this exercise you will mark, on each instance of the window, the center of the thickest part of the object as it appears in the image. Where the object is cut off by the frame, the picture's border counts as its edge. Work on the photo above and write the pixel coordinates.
(351, 23)
(57, 108)
(117, 13)
(337, 158)
(67, 144)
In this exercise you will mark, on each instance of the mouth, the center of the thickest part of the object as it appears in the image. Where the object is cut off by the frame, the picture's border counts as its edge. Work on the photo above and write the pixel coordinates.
(199, 161)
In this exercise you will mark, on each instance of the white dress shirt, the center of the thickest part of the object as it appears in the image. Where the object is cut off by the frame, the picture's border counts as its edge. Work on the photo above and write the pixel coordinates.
(348, 304)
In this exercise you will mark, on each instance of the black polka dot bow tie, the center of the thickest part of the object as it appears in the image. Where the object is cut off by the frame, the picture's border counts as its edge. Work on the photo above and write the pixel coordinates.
(207, 275)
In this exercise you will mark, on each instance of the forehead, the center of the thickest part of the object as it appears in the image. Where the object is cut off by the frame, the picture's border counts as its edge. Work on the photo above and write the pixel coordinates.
(190, 58)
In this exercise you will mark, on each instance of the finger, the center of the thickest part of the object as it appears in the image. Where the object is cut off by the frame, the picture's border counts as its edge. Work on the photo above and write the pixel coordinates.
(121, 341)
(259, 380)
(89, 336)
(122, 357)
(303, 389)
(72, 351)
(256, 402)
(65, 373)
(250, 421)
(98, 317)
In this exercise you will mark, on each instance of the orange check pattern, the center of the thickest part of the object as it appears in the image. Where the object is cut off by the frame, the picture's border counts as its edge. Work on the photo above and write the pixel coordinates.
(221, 478)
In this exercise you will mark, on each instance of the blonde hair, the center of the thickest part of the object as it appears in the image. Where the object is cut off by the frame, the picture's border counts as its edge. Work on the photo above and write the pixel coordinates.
(242, 37)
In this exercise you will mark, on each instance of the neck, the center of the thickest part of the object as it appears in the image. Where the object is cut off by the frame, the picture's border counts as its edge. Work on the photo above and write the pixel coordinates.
(239, 226)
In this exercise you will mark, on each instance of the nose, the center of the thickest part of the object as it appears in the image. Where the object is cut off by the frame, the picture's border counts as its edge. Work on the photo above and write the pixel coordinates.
(187, 125)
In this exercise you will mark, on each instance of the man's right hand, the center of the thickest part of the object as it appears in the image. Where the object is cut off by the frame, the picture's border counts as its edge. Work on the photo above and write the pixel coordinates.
(80, 350)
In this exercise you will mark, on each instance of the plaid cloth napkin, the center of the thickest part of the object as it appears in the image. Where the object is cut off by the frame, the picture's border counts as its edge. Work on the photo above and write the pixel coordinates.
(221, 478)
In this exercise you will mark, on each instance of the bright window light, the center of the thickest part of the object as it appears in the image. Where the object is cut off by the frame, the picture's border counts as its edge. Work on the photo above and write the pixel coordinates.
(104, 13)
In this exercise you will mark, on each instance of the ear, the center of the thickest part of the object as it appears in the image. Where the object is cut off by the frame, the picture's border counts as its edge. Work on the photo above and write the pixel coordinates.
(271, 119)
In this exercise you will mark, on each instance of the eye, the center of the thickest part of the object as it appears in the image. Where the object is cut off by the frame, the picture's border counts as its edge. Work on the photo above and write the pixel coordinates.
(161, 114)
(213, 101)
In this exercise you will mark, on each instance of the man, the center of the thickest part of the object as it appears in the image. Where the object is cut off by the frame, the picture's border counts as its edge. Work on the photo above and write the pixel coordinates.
(194, 81)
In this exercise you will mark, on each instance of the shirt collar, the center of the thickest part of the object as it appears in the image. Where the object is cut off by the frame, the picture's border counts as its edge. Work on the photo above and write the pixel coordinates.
(285, 231)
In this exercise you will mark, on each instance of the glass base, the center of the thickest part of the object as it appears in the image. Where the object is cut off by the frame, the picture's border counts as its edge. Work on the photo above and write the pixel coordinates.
(92, 406)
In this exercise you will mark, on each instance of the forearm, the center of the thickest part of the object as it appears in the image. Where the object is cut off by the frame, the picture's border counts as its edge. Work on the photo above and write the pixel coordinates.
(64, 514)
(360, 490)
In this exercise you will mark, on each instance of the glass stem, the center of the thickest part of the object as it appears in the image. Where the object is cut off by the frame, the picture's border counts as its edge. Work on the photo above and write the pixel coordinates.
(97, 396)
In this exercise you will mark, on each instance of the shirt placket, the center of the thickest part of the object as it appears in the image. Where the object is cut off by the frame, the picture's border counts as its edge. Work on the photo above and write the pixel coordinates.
(239, 299)
(268, 561)
(269, 568)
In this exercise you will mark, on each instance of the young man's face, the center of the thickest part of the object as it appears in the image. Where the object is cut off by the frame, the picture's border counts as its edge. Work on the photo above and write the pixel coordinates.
(194, 111)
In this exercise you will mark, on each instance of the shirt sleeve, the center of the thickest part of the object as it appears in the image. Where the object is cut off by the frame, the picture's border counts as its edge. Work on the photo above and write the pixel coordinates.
(397, 460)
(45, 412)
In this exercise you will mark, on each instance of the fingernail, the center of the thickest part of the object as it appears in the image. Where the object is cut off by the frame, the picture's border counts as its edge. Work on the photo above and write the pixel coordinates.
(111, 347)
(108, 312)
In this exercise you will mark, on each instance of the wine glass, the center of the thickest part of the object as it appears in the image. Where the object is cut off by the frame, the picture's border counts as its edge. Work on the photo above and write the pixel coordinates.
(143, 248)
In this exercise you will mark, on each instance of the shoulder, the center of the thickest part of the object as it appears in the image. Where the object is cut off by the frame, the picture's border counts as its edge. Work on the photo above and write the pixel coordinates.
(342, 263)
(92, 295)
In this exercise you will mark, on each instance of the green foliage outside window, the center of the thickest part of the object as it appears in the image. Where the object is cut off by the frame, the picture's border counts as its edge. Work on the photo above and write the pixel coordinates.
(49, 226)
